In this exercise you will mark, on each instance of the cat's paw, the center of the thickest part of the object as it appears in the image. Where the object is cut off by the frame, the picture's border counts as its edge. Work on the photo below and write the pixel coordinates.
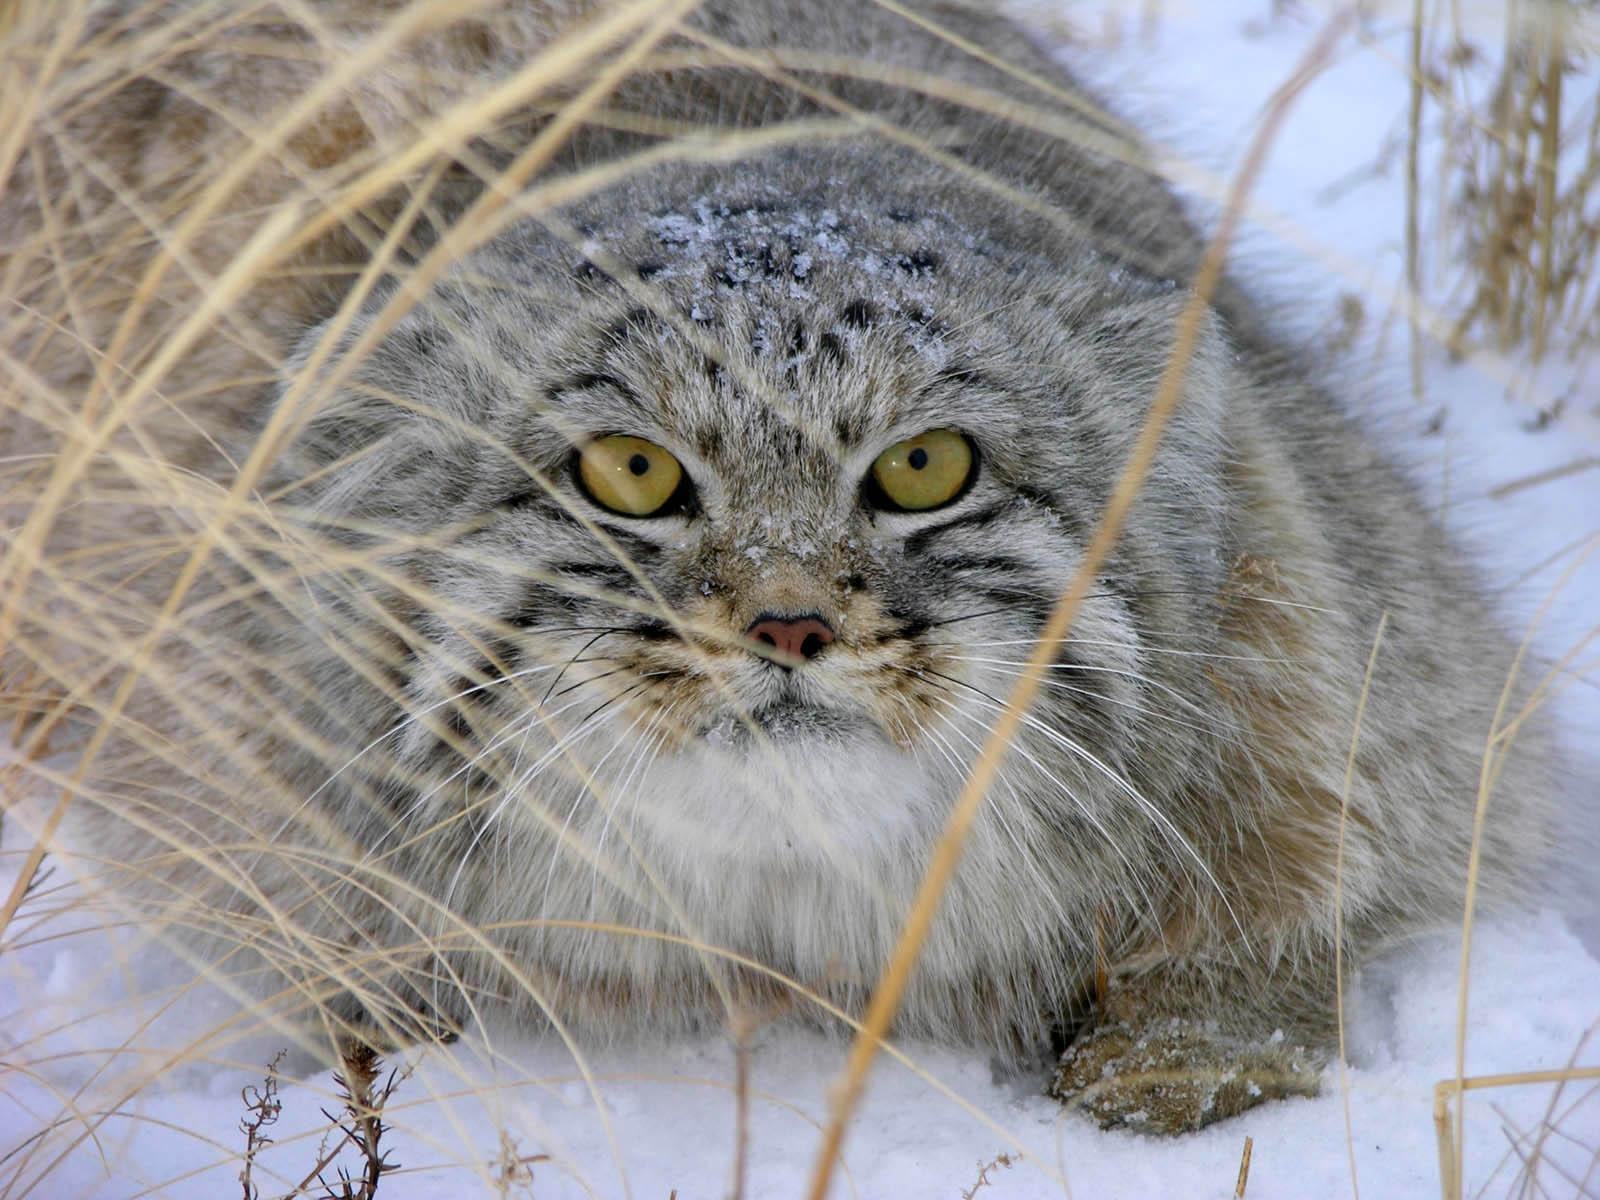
(1174, 1076)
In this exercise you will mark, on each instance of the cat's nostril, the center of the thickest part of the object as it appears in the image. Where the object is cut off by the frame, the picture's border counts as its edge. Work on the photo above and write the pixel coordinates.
(793, 637)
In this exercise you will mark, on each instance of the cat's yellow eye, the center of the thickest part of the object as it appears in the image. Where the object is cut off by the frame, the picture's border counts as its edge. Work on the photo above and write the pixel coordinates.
(925, 471)
(629, 475)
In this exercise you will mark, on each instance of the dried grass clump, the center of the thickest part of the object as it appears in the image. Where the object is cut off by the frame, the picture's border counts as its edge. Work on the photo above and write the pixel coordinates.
(1520, 165)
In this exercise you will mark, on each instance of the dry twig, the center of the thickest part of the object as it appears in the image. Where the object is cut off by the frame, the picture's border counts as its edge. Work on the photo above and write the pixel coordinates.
(983, 1181)
(362, 1123)
(262, 1109)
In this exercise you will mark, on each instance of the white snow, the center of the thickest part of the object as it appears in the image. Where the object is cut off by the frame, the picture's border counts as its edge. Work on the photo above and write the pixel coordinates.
(85, 1042)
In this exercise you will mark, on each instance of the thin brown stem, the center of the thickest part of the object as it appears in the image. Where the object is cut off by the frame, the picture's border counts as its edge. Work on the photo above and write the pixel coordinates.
(1413, 190)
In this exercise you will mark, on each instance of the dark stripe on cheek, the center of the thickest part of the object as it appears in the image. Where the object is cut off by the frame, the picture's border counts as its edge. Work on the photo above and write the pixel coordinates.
(914, 627)
(539, 501)
(997, 563)
(917, 542)
(636, 547)
(541, 602)
(653, 631)
(1032, 607)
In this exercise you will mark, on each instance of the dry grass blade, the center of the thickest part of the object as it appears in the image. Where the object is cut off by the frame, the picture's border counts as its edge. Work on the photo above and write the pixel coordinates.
(743, 1029)
(1446, 1119)
(1338, 899)
(1244, 1169)
(1549, 475)
(896, 974)
(1413, 200)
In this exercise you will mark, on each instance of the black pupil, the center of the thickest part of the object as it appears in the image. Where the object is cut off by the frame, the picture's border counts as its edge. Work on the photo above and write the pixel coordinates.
(638, 464)
(918, 458)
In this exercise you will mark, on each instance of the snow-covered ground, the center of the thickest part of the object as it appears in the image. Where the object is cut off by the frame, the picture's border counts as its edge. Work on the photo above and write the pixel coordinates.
(653, 1120)
(669, 1112)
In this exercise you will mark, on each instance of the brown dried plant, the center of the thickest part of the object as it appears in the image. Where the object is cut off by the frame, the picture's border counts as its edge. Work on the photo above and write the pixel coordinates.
(1520, 161)
(262, 1107)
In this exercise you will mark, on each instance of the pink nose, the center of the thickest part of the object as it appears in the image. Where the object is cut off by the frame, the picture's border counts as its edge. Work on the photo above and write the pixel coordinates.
(796, 638)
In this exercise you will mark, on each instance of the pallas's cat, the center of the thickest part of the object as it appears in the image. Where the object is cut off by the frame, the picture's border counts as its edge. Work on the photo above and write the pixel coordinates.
(586, 591)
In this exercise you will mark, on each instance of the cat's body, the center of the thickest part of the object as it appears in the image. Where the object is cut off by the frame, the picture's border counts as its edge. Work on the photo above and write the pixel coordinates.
(477, 738)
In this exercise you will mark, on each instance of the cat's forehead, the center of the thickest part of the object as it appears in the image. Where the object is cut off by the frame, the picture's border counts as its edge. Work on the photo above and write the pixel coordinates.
(750, 317)
(729, 316)
(803, 249)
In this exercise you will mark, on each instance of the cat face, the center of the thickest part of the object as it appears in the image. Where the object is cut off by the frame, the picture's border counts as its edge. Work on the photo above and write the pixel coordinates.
(745, 514)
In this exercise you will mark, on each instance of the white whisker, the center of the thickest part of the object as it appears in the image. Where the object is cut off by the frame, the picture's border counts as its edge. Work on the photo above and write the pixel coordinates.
(1174, 836)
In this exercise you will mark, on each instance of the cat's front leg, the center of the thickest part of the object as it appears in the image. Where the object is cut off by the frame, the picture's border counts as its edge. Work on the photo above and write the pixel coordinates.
(1164, 1057)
